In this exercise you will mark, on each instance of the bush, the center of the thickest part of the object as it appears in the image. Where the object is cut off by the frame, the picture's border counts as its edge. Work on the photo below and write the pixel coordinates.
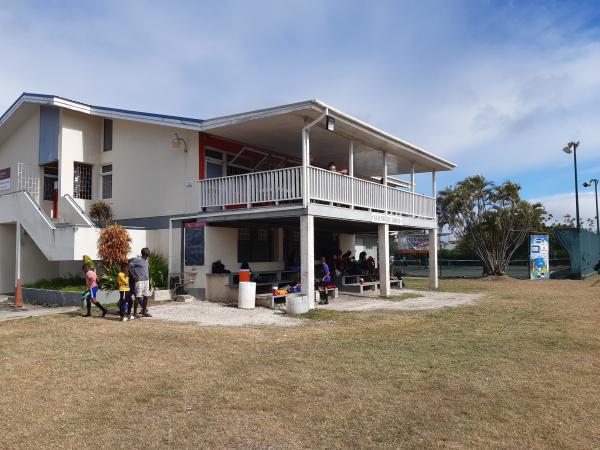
(102, 214)
(159, 270)
(108, 281)
(114, 245)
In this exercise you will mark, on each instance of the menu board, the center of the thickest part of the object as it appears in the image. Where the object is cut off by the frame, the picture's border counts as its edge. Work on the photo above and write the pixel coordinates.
(194, 243)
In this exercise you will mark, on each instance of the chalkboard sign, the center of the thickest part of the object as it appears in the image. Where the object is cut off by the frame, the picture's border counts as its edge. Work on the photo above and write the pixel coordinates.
(194, 243)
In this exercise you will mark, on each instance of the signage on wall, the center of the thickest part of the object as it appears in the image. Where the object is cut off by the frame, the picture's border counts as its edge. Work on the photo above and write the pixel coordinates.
(384, 218)
(5, 179)
(539, 257)
(193, 244)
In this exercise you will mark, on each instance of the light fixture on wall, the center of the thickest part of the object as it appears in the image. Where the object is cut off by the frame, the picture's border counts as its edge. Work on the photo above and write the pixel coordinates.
(330, 123)
(176, 142)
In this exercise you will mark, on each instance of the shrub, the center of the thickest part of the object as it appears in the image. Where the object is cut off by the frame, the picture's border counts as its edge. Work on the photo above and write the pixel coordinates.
(159, 270)
(108, 281)
(102, 214)
(114, 245)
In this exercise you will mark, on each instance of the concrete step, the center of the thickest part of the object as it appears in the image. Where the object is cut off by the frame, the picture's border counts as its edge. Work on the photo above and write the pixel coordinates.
(185, 298)
(6, 299)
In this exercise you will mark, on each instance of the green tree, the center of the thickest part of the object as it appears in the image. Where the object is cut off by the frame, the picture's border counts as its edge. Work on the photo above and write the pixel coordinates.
(491, 220)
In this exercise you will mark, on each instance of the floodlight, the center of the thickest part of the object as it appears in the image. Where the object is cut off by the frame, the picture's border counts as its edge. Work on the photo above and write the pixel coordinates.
(330, 121)
(176, 141)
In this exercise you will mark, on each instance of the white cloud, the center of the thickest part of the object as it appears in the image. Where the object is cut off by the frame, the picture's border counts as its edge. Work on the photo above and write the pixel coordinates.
(562, 204)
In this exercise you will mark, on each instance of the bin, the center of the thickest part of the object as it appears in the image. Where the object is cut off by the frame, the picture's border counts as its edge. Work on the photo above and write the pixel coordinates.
(247, 295)
(297, 304)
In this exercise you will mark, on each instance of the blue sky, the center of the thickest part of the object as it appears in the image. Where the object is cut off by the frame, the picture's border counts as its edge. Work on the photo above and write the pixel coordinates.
(496, 87)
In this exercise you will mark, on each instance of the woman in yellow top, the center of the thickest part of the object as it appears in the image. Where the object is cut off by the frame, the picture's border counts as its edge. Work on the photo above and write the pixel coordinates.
(125, 300)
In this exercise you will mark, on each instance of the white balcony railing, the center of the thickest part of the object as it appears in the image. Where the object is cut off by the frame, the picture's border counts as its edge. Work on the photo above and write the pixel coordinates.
(284, 186)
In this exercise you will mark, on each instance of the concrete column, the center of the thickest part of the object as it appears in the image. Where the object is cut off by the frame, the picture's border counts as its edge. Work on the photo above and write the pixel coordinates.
(307, 254)
(433, 259)
(383, 231)
(18, 253)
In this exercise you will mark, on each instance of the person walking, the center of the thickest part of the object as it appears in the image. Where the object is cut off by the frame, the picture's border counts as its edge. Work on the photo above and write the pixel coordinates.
(140, 272)
(125, 302)
(91, 291)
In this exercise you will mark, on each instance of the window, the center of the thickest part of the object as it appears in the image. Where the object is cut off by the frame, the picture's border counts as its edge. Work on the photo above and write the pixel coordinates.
(50, 178)
(82, 181)
(108, 135)
(255, 245)
(106, 181)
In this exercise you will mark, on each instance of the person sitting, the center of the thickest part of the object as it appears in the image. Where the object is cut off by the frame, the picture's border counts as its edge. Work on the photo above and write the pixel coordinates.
(332, 168)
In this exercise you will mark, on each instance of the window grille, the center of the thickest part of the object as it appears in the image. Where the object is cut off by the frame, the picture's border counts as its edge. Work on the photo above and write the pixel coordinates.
(82, 181)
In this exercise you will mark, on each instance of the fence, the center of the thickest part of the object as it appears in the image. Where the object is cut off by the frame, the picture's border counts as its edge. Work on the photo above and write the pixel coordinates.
(450, 268)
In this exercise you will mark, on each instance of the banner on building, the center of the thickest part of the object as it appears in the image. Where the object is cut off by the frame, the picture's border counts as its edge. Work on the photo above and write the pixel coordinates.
(539, 257)
(5, 179)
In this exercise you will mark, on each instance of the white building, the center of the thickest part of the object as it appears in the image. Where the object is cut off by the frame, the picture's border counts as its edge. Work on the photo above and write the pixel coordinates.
(246, 187)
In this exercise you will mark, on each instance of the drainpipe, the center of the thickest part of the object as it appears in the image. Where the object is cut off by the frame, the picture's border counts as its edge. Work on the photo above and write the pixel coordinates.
(306, 155)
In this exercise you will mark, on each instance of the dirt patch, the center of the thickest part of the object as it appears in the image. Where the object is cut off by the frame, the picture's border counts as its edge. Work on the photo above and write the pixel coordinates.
(208, 313)
(420, 300)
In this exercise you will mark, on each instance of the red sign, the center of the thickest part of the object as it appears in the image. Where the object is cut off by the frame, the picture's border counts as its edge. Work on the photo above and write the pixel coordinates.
(194, 224)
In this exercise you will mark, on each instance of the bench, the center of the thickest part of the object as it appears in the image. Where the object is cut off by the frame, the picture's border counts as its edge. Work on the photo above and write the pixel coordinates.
(270, 301)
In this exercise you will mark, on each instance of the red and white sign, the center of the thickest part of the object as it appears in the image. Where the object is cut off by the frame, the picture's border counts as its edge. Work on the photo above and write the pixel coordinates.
(5, 179)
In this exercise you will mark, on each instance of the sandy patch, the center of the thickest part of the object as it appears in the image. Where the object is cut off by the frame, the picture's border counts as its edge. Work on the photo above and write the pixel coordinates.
(208, 313)
(428, 300)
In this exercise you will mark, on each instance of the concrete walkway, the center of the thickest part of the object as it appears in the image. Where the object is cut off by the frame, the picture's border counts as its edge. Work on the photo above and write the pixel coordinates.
(8, 312)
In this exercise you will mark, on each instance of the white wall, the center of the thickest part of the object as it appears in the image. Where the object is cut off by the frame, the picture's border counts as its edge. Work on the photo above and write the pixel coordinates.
(80, 141)
(8, 252)
(149, 177)
(348, 242)
(34, 265)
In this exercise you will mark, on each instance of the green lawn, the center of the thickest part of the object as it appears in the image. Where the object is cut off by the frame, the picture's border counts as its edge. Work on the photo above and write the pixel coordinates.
(519, 369)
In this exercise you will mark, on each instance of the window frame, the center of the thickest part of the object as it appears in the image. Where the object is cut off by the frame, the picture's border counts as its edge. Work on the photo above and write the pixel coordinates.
(103, 179)
(107, 131)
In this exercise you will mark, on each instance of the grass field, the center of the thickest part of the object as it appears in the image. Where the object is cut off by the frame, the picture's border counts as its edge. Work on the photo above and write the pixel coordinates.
(519, 369)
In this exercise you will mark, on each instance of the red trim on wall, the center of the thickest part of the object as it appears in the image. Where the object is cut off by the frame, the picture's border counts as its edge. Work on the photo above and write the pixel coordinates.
(204, 140)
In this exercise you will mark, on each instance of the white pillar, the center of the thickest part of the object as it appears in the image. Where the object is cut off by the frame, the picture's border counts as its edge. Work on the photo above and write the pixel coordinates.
(18, 253)
(433, 185)
(433, 259)
(384, 177)
(170, 260)
(307, 254)
(383, 231)
(412, 188)
(351, 159)
(305, 164)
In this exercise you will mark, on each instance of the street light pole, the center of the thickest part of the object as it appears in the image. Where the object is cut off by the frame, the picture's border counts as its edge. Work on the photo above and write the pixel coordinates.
(588, 184)
(572, 148)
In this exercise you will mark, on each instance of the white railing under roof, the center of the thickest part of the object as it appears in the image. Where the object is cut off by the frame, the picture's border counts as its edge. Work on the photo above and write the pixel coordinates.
(284, 186)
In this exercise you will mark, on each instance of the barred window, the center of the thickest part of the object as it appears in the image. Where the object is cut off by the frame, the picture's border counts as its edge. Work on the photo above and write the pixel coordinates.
(82, 181)
(106, 181)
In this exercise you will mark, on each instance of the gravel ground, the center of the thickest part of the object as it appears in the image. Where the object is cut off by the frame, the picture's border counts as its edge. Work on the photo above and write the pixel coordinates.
(208, 313)
(428, 300)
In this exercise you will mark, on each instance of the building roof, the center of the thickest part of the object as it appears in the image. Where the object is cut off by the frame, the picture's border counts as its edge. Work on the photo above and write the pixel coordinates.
(278, 125)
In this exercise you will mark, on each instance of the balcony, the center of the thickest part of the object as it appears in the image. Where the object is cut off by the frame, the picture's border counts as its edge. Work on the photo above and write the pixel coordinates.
(284, 188)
